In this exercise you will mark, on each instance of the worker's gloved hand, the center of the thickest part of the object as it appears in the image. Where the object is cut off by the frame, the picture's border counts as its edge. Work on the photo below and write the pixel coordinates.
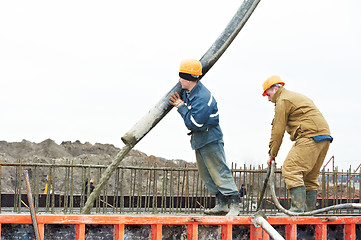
(270, 160)
(175, 100)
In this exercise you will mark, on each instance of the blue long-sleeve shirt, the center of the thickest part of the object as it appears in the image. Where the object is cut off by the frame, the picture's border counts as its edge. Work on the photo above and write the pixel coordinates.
(200, 115)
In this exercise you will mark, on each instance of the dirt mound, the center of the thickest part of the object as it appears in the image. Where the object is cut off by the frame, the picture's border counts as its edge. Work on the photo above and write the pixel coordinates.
(26, 149)
(77, 148)
(48, 149)
(49, 152)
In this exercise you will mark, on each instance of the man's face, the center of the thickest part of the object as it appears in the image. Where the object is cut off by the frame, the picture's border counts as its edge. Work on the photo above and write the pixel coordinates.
(186, 84)
(270, 92)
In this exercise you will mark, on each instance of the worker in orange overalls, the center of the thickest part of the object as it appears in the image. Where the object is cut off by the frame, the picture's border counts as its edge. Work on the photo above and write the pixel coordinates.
(299, 116)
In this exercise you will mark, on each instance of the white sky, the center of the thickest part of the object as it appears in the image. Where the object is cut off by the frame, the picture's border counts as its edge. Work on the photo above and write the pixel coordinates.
(89, 70)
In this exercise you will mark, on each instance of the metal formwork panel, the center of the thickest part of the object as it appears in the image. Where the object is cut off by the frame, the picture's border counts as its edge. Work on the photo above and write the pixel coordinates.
(322, 226)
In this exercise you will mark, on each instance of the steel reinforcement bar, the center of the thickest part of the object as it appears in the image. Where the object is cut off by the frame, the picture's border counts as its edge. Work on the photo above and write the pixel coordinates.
(165, 188)
(159, 227)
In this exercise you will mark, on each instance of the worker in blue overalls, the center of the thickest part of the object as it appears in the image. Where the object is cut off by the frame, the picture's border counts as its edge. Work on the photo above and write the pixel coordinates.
(199, 111)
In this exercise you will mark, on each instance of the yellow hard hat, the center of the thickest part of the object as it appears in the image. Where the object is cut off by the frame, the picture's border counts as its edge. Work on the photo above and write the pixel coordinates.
(191, 66)
(271, 81)
(91, 181)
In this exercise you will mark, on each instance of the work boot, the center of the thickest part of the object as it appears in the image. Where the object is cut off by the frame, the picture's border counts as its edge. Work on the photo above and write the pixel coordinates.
(298, 199)
(221, 207)
(311, 200)
(234, 209)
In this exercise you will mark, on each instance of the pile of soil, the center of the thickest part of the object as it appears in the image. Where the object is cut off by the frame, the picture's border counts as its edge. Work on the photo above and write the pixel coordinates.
(76, 152)
(339, 191)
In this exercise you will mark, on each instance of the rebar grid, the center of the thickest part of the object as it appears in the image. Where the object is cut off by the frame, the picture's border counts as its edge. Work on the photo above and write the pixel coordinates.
(154, 189)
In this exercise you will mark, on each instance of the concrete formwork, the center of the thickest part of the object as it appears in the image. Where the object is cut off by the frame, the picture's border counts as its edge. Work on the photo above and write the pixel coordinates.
(178, 227)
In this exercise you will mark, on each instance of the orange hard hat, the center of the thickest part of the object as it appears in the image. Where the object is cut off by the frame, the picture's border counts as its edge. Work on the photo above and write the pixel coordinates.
(191, 66)
(271, 81)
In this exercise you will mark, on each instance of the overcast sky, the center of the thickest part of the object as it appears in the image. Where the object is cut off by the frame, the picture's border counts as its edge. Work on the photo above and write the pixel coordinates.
(89, 70)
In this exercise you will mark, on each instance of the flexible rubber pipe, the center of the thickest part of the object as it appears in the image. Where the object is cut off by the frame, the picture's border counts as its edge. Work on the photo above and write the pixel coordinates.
(260, 221)
(154, 115)
(282, 209)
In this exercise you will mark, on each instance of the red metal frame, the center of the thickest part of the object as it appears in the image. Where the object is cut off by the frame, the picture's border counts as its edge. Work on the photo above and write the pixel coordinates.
(333, 168)
(333, 164)
(157, 222)
(353, 173)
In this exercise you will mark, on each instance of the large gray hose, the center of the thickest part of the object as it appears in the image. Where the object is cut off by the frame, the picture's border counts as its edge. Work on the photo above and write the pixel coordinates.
(310, 213)
(156, 114)
(260, 220)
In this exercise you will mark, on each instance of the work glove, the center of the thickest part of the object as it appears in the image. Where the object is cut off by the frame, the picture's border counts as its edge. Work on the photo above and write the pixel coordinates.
(270, 160)
(175, 100)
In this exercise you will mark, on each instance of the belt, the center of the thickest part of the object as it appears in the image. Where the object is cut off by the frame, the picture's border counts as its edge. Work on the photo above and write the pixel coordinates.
(191, 132)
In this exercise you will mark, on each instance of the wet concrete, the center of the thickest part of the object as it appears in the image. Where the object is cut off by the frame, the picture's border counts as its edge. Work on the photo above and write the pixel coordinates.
(174, 232)
(137, 232)
(95, 231)
(306, 232)
(17, 231)
(335, 232)
(209, 232)
(169, 232)
(59, 231)
(241, 232)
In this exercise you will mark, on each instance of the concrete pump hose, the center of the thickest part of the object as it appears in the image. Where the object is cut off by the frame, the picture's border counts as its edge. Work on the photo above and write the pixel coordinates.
(282, 209)
(259, 220)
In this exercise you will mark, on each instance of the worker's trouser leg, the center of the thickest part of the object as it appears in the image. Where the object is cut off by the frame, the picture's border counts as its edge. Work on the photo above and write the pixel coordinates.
(303, 163)
(312, 177)
(214, 171)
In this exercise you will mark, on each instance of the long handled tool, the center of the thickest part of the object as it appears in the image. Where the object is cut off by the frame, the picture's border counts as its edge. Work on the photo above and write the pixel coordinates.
(260, 200)
(31, 206)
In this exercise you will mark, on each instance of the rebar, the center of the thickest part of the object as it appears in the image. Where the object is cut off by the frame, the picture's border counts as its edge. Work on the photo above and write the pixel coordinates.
(155, 189)
(31, 206)
(280, 207)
